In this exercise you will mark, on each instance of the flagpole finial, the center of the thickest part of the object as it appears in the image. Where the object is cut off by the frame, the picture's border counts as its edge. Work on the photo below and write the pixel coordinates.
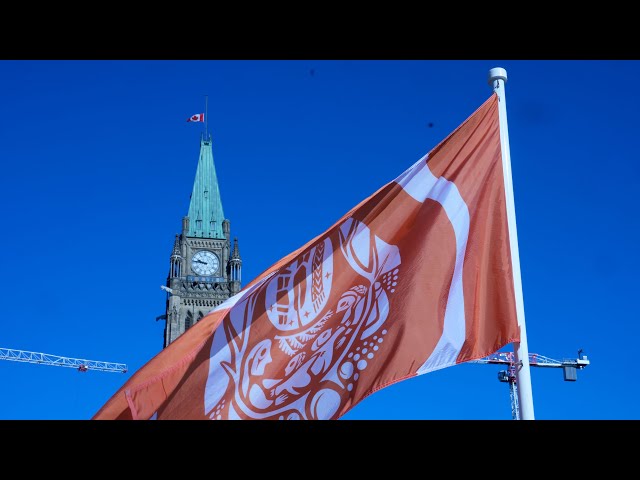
(497, 73)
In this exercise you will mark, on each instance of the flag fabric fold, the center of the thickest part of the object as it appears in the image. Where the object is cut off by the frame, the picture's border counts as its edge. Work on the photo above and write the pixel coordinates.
(198, 117)
(415, 278)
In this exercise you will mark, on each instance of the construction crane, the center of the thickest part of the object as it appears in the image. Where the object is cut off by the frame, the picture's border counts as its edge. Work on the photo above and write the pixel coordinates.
(570, 369)
(81, 364)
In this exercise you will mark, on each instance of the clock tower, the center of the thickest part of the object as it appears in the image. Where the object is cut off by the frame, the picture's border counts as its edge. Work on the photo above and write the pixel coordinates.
(204, 267)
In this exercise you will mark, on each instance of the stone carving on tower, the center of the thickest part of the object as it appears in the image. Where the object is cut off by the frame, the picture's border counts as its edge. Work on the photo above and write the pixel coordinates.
(203, 269)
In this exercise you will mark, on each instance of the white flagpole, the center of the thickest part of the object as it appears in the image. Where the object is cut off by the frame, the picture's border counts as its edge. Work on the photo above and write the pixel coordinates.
(497, 79)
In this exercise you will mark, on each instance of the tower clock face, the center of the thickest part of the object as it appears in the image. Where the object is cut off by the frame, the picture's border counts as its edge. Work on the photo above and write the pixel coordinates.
(205, 262)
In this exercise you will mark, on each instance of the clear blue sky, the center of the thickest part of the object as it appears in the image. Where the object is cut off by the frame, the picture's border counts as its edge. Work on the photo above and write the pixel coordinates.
(98, 163)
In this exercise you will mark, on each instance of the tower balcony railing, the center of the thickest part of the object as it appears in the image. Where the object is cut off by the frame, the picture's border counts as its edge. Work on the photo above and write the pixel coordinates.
(205, 279)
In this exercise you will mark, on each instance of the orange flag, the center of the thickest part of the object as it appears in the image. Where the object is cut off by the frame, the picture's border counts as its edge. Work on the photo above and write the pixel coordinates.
(415, 278)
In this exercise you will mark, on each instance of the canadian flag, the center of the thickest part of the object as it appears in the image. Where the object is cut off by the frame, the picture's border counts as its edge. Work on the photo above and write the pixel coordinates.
(198, 117)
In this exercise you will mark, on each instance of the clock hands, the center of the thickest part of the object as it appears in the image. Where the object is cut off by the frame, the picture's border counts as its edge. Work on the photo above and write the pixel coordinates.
(209, 265)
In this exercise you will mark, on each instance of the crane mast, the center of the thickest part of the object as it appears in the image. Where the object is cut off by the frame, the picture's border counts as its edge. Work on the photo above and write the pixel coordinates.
(81, 364)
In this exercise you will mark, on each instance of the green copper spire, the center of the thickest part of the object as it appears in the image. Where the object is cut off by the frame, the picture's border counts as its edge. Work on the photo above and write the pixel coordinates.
(205, 208)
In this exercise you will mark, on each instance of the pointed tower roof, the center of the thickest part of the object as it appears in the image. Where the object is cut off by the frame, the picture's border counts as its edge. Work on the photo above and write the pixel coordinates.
(205, 208)
(176, 247)
(236, 251)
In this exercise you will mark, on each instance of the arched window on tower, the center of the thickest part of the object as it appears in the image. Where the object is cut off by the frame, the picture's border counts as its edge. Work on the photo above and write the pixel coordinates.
(188, 321)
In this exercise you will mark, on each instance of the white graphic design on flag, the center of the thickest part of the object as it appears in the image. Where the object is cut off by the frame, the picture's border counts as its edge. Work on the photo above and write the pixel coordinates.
(319, 355)
(421, 184)
(327, 358)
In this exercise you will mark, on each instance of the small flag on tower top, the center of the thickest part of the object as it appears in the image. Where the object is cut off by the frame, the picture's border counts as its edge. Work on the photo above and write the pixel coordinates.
(198, 117)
